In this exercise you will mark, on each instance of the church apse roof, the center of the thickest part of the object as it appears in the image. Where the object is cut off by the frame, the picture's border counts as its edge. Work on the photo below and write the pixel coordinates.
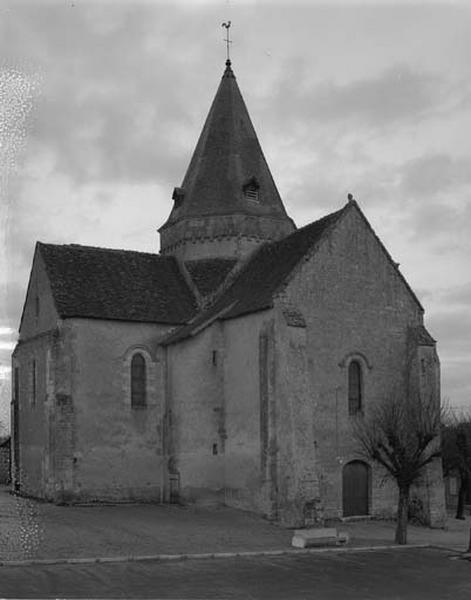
(116, 284)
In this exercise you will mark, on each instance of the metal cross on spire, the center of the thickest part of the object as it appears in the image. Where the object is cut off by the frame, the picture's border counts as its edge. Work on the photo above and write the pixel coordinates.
(227, 39)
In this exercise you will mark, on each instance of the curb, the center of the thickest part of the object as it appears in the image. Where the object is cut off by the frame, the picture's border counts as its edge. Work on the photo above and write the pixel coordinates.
(448, 549)
(202, 556)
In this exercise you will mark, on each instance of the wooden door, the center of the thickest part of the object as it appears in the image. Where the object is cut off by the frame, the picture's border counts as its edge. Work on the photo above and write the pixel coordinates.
(355, 488)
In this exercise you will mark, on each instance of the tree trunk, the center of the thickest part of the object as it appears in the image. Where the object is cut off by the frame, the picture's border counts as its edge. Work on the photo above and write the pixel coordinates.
(461, 498)
(402, 515)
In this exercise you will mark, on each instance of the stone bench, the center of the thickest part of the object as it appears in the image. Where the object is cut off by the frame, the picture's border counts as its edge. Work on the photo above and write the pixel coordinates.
(321, 536)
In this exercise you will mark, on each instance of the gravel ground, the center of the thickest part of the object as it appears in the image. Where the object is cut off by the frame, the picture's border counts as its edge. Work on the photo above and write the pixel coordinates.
(33, 530)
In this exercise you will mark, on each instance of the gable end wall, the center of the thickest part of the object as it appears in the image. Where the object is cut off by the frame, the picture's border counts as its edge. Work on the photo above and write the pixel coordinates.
(355, 304)
(38, 287)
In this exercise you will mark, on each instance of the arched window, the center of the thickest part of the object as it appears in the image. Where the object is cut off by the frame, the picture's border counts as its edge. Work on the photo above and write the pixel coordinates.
(355, 385)
(138, 381)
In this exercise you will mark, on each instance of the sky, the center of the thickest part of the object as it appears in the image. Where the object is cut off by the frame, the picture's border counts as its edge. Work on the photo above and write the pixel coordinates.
(101, 105)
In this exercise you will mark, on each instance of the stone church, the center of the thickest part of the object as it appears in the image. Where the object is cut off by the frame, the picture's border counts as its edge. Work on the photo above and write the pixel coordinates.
(228, 367)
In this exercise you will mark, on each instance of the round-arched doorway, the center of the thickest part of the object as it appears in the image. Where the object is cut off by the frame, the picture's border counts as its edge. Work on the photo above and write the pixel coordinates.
(356, 488)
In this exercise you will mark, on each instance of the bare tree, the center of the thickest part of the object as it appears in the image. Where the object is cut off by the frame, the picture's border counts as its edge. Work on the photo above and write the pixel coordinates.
(456, 452)
(401, 434)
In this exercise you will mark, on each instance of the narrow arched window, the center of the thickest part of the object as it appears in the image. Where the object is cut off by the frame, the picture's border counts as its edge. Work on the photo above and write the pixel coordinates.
(354, 388)
(138, 381)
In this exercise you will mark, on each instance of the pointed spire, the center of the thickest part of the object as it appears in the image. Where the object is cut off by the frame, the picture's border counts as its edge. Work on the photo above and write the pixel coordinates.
(228, 174)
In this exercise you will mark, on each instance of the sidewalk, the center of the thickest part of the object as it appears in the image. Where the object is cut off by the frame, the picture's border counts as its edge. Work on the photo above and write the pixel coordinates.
(454, 537)
(32, 530)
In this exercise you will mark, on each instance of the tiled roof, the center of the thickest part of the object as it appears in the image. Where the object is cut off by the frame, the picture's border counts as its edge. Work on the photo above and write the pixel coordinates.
(261, 278)
(117, 284)
(422, 337)
(208, 274)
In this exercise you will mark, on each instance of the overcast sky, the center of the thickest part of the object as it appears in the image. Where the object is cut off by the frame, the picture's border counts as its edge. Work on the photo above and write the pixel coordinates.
(102, 104)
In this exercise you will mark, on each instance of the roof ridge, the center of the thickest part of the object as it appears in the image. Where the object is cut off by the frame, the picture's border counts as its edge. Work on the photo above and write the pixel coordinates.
(317, 221)
(313, 246)
(387, 253)
(102, 249)
(232, 301)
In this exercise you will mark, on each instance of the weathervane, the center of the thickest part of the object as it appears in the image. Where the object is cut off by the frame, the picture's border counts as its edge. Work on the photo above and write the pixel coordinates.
(227, 39)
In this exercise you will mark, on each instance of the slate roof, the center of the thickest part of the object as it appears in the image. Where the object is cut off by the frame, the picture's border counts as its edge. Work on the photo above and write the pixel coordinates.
(117, 284)
(227, 156)
(209, 273)
(422, 337)
(262, 276)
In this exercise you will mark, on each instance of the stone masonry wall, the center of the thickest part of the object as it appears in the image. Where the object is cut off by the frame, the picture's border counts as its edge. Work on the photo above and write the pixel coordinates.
(32, 467)
(355, 306)
(33, 414)
(118, 449)
(428, 494)
(249, 389)
(38, 315)
(80, 439)
(61, 418)
(232, 236)
(298, 500)
(195, 418)
(215, 453)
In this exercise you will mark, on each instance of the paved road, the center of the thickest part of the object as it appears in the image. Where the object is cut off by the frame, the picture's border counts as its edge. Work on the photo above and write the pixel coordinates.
(383, 575)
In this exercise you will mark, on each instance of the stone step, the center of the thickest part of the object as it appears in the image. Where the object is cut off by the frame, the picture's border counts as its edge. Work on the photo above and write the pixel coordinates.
(320, 536)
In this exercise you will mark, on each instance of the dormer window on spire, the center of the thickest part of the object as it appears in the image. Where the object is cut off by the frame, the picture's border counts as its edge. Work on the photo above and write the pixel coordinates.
(251, 189)
(177, 196)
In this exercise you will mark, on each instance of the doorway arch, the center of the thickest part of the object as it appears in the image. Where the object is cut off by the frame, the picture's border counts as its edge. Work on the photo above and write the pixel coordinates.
(356, 488)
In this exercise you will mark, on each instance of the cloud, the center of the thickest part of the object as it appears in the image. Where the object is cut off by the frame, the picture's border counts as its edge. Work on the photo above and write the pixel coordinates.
(434, 173)
(7, 346)
(440, 226)
(458, 296)
(399, 93)
(13, 305)
(433, 193)
(7, 343)
(6, 331)
(104, 118)
(456, 386)
(452, 329)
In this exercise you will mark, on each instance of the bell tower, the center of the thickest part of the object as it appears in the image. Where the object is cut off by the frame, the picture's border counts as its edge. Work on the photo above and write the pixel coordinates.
(228, 203)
